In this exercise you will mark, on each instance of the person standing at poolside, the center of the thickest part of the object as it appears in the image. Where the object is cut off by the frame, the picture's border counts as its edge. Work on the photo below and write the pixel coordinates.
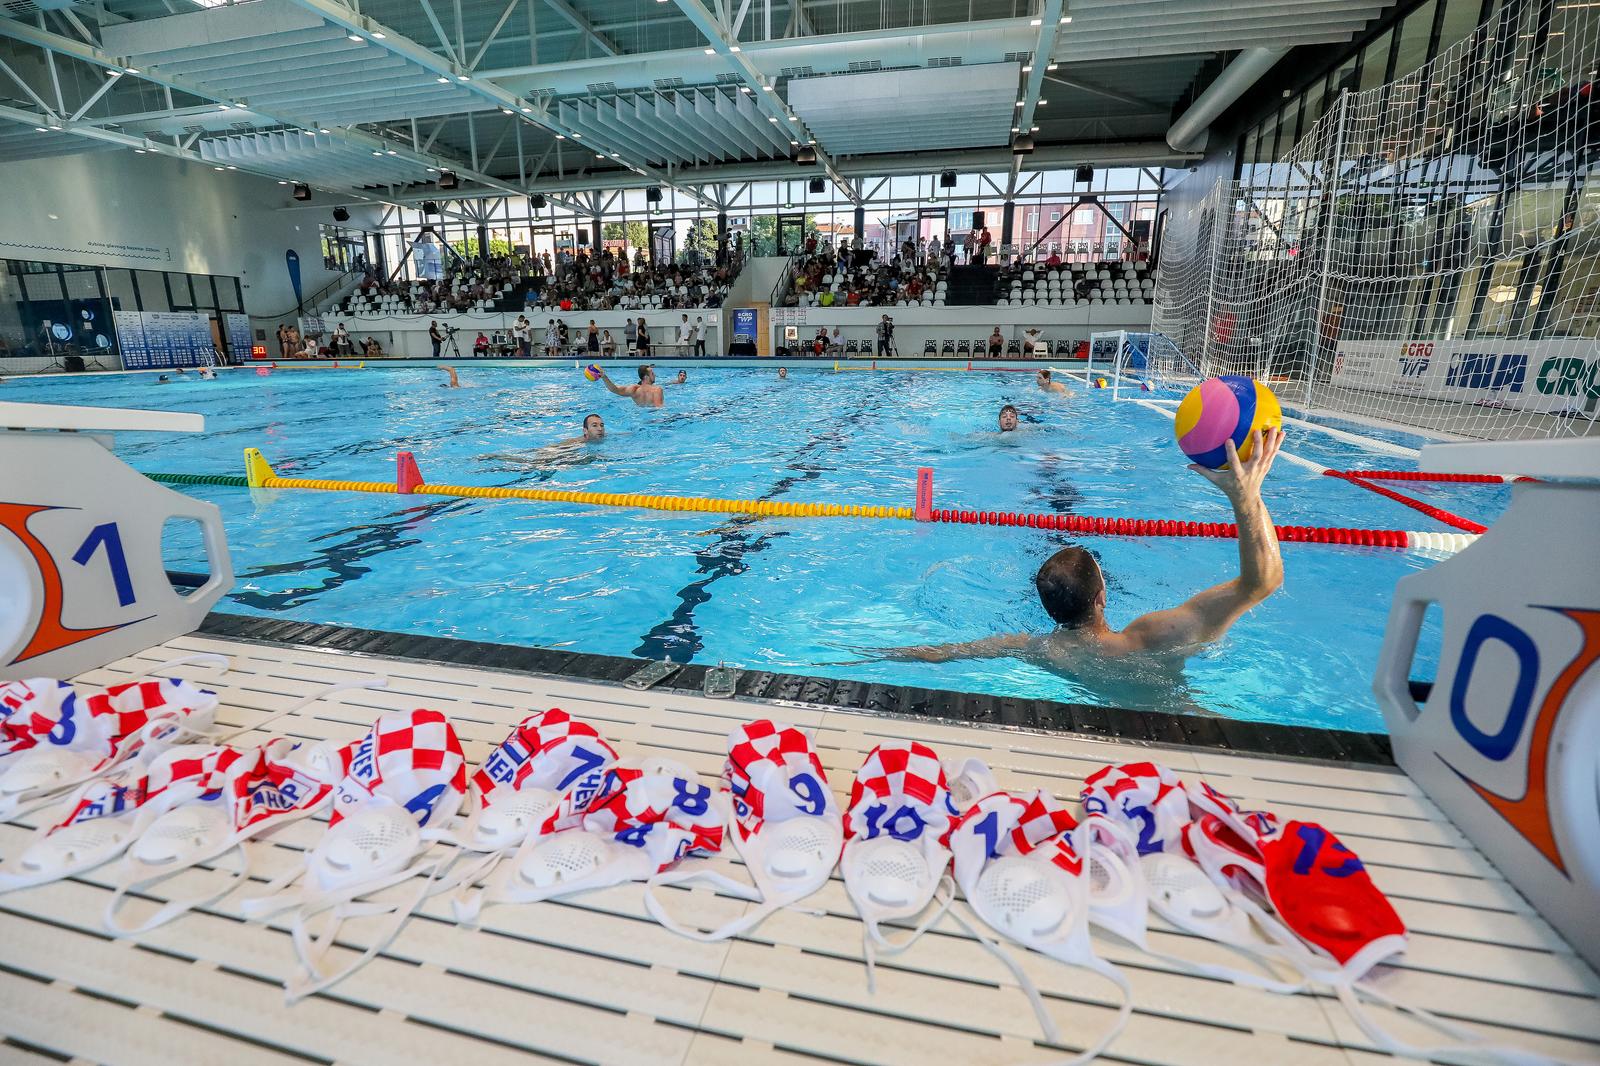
(630, 337)
(592, 339)
(1048, 383)
(1072, 590)
(700, 336)
(435, 336)
(642, 338)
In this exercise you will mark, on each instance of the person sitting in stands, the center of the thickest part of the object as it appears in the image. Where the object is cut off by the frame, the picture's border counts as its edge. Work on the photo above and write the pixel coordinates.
(310, 351)
(819, 344)
(1054, 260)
(997, 343)
(607, 345)
(480, 345)
(371, 349)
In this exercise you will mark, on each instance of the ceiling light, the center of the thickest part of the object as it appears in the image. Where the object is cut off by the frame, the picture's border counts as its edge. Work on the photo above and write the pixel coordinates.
(766, 88)
(599, 157)
(138, 151)
(1052, 66)
(616, 157)
(431, 170)
(527, 111)
(283, 183)
(357, 37)
(130, 70)
(442, 81)
(1043, 102)
(744, 88)
(393, 152)
(1036, 22)
(1016, 129)
(114, 73)
(378, 35)
(1065, 19)
(733, 48)
(224, 107)
(506, 111)
(577, 136)
(55, 127)
(772, 120)
(462, 77)
(216, 168)
(377, 153)
(711, 51)
(561, 136)
(232, 167)
(795, 143)
(1033, 129)
(41, 129)
(321, 129)
(811, 142)
(794, 118)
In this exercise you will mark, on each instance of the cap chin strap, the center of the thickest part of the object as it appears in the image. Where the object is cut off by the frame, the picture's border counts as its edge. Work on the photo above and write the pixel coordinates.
(173, 908)
(875, 944)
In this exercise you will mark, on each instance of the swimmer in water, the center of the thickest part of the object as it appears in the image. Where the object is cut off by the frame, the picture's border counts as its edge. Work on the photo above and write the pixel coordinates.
(783, 373)
(163, 380)
(594, 431)
(647, 393)
(207, 374)
(1008, 418)
(1073, 591)
(454, 382)
(1049, 384)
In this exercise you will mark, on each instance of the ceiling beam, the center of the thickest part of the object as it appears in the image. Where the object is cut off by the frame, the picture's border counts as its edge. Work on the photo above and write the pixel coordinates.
(55, 44)
(336, 12)
(722, 40)
(584, 26)
(1110, 94)
(1049, 23)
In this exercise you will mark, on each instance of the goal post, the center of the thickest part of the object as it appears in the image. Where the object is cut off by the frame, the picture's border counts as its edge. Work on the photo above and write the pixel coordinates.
(1142, 362)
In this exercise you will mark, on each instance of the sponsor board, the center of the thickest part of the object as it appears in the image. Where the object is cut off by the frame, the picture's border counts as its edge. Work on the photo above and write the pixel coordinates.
(1552, 375)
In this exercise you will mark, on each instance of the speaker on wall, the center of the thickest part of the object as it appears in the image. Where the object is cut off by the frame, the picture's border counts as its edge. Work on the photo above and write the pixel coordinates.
(806, 157)
(448, 180)
(302, 191)
(430, 207)
(341, 215)
(947, 179)
(977, 220)
(1084, 173)
(817, 184)
(653, 194)
(538, 202)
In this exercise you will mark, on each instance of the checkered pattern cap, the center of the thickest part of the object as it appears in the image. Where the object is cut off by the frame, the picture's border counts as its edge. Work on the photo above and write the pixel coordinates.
(1255, 827)
(773, 774)
(1003, 823)
(1145, 799)
(97, 722)
(411, 758)
(667, 812)
(900, 789)
(553, 751)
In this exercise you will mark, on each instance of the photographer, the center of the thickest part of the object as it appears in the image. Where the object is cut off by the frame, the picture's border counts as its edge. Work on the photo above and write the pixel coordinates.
(436, 335)
(885, 336)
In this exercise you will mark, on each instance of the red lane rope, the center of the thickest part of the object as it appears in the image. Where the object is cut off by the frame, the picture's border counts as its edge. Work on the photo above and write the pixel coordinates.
(1437, 513)
(1418, 475)
(1156, 527)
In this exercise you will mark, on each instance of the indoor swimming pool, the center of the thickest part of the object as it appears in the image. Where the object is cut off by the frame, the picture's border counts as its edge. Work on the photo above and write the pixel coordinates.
(804, 595)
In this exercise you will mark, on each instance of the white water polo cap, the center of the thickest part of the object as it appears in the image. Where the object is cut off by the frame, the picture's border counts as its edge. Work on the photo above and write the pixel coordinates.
(896, 849)
(105, 816)
(786, 826)
(399, 782)
(55, 735)
(1138, 812)
(235, 794)
(648, 816)
(1021, 866)
(542, 778)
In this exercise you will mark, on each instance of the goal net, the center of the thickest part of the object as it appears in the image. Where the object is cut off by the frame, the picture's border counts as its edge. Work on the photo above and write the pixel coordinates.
(1141, 363)
(1427, 255)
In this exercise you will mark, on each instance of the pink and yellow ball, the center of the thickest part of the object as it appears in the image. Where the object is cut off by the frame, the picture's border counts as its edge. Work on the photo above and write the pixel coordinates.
(592, 372)
(1221, 409)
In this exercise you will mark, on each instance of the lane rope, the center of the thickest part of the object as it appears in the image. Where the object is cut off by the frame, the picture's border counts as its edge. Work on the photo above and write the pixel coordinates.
(1436, 513)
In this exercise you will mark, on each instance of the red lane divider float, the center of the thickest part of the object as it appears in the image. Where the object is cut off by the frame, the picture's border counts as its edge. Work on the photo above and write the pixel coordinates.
(1158, 527)
(1436, 513)
(1419, 475)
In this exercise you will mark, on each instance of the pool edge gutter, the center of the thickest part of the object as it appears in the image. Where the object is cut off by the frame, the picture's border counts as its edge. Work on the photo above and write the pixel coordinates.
(1154, 728)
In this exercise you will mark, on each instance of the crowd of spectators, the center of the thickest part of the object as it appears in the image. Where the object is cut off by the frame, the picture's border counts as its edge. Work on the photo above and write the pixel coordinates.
(846, 275)
(564, 282)
(609, 281)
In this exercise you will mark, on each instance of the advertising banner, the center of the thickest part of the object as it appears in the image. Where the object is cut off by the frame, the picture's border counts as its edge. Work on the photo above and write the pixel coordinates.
(240, 338)
(744, 324)
(153, 340)
(1552, 375)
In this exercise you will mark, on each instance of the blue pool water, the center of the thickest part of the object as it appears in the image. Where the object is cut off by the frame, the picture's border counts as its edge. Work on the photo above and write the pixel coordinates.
(786, 594)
